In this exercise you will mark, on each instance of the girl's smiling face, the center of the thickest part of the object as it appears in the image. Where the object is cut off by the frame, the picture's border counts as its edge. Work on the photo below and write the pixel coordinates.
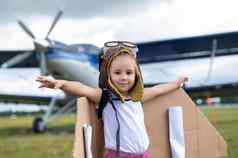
(123, 73)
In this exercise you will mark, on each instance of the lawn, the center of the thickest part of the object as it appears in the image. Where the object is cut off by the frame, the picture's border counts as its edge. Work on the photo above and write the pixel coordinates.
(226, 122)
(18, 141)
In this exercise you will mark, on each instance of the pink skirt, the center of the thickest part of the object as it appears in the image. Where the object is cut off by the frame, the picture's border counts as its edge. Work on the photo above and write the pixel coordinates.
(121, 154)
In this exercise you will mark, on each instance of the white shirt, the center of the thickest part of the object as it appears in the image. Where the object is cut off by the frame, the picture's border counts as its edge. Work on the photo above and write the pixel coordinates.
(133, 135)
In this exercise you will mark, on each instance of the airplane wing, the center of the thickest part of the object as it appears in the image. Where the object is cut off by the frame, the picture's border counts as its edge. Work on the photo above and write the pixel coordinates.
(199, 71)
(209, 61)
(20, 82)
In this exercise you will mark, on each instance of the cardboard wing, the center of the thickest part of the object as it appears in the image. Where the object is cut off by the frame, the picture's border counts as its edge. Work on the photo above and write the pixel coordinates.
(86, 114)
(201, 138)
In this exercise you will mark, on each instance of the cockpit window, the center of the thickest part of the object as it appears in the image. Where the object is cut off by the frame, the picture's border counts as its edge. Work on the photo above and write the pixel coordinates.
(83, 48)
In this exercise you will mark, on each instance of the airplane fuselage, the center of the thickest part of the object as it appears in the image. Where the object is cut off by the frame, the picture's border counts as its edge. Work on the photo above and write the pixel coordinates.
(78, 66)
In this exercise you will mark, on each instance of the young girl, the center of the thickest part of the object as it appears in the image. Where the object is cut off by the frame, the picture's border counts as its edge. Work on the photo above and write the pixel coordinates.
(124, 129)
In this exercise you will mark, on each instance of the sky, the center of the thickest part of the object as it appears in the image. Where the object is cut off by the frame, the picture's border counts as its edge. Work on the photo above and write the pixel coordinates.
(99, 21)
(135, 20)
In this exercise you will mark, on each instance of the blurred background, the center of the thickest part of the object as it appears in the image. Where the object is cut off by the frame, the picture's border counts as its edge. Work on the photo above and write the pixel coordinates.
(62, 39)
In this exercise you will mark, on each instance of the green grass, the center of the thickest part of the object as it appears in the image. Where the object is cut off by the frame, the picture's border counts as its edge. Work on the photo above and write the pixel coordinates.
(18, 141)
(226, 122)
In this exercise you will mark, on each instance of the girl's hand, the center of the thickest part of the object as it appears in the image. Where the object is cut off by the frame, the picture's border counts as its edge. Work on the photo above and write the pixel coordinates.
(181, 81)
(49, 83)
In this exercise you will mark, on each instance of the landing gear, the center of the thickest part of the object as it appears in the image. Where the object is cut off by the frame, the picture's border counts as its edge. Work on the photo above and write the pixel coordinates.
(39, 125)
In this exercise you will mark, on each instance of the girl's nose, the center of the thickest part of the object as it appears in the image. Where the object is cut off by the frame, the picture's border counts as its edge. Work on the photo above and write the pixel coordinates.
(123, 77)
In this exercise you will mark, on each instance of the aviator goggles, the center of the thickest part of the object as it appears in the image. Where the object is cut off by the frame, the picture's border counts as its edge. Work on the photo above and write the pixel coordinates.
(114, 46)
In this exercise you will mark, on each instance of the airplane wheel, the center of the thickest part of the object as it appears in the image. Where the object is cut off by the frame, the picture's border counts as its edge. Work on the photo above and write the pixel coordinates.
(38, 125)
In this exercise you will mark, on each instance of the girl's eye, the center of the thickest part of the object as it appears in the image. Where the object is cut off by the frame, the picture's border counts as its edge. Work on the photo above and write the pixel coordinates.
(117, 73)
(129, 72)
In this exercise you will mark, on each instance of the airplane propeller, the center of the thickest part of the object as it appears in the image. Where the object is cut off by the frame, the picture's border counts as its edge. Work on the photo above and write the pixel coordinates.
(16, 59)
(57, 17)
(41, 47)
(26, 29)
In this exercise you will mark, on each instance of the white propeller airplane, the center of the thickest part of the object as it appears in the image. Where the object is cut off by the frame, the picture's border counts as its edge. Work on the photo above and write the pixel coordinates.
(208, 61)
(73, 62)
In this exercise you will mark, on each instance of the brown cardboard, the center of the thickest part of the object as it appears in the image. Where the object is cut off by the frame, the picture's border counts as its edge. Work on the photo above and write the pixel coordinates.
(201, 138)
(86, 114)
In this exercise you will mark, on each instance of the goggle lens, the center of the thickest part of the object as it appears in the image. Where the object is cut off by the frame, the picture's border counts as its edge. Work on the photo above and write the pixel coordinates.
(118, 43)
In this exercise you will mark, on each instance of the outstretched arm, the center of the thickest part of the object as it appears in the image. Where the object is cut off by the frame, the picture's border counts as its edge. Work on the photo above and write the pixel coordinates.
(150, 93)
(72, 87)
